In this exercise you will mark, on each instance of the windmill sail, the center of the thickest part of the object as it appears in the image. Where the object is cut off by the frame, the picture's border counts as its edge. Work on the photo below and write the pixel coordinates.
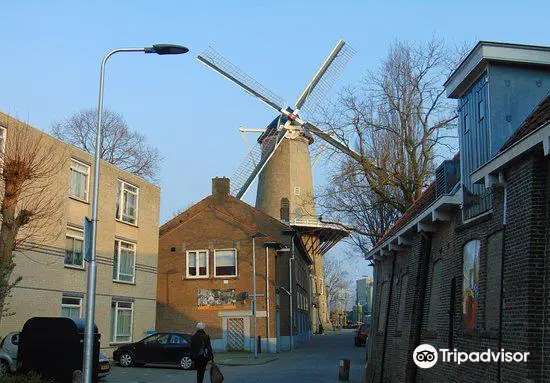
(223, 66)
(325, 78)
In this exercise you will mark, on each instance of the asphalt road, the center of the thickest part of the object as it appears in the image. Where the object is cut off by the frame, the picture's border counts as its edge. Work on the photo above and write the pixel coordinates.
(317, 361)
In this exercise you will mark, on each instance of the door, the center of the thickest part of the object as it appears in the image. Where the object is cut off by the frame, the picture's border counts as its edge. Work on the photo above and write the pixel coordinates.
(154, 349)
(235, 334)
(177, 348)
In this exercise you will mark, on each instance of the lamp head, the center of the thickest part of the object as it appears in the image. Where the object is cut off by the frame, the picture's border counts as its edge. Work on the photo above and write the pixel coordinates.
(167, 49)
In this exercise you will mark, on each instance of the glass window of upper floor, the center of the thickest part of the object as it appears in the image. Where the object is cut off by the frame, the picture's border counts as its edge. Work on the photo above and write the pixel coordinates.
(80, 180)
(74, 247)
(127, 202)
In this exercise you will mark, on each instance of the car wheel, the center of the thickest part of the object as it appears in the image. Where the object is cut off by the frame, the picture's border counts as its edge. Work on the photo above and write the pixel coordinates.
(357, 343)
(4, 368)
(126, 359)
(186, 362)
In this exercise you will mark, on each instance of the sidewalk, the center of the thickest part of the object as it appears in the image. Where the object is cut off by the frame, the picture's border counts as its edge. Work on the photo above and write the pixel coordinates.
(242, 358)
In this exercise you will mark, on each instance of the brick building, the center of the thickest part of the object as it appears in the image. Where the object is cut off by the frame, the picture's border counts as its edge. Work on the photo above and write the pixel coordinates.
(52, 265)
(467, 266)
(205, 267)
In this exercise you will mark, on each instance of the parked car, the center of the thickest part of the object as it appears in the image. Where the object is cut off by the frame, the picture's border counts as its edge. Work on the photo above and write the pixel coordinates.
(104, 366)
(8, 353)
(162, 348)
(361, 335)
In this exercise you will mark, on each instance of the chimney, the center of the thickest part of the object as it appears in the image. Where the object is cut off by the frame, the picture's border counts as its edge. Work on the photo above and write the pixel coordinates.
(220, 186)
(285, 210)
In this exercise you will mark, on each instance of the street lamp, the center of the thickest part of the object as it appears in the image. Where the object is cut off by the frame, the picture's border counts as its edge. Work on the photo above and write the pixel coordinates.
(161, 49)
(254, 300)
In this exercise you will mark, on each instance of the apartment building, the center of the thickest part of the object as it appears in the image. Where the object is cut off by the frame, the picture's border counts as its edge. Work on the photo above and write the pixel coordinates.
(53, 270)
(207, 255)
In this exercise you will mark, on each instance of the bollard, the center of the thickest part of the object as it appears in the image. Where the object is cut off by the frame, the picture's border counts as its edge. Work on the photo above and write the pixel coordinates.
(343, 370)
(259, 344)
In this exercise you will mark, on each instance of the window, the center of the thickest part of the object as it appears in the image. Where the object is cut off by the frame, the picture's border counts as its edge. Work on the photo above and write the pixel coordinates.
(225, 263)
(480, 109)
(470, 283)
(297, 190)
(121, 322)
(465, 123)
(124, 261)
(127, 202)
(197, 264)
(177, 339)
(321, 287)
(71, 307)
(80, 180)
(3, 134)
(74, 243)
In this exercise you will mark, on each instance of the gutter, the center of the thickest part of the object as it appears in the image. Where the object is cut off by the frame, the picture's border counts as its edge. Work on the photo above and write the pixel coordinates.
(431, 213)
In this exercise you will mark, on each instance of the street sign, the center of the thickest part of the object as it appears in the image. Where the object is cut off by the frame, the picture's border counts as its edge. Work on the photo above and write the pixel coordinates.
(87, 239)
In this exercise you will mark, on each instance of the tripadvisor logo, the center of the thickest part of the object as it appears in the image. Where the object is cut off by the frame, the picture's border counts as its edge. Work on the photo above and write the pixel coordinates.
(426, 356)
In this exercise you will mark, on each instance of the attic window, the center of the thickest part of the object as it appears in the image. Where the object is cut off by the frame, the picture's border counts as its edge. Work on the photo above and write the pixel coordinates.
(465, 123)
(480, 110)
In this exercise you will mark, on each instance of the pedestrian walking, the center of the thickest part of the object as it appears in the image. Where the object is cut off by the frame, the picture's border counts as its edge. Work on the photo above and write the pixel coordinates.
(201, 351)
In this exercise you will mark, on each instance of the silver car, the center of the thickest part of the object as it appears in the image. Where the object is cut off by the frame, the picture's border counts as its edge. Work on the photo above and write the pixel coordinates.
(8, 353)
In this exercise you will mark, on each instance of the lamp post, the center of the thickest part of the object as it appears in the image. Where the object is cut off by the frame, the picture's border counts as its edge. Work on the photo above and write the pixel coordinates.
(254, 299)
(161, 49)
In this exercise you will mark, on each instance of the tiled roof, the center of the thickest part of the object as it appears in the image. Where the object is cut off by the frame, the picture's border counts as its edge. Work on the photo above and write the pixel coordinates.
(539, 117)
(426, 199)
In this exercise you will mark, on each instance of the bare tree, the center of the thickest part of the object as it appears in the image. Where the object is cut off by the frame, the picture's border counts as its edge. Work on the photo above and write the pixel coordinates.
(337, 283)
(399, 121)
(121, 146)
(29, 196)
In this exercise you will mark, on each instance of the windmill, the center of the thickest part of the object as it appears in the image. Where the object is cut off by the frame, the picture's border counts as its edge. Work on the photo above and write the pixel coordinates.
(281, 159)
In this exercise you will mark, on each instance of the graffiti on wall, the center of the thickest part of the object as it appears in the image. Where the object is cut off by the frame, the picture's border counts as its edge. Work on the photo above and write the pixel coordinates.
(470, 283)
(208, 298)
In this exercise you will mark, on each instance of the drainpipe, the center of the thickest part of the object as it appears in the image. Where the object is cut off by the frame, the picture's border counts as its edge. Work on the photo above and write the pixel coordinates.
(291, 295)
(502, 181)
(372, 314)
(386, 322)
(268, 245)
(267, 295)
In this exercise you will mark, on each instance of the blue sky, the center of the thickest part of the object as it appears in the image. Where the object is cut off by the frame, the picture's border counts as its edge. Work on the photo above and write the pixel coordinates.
(51, 51)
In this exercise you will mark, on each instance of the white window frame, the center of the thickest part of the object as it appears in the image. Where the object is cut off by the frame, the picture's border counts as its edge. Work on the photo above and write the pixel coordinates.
(119, 216)
(4, 135)
(69, 305)
(87, 186)
(236, 264)
(80, 238)
(117, 279)
(197, 264)
(117, 309)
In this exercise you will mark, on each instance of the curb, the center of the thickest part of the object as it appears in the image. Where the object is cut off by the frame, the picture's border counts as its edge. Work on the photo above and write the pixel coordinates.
(243, 363)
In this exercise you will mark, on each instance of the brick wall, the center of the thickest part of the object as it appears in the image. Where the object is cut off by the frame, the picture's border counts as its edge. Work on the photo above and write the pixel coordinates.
(438, 319)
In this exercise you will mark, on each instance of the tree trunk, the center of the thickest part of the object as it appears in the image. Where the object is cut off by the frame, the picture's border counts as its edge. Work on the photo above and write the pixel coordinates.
(8, 235)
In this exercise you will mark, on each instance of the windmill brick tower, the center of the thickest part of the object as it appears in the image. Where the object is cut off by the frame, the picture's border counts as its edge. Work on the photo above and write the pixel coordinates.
(281, 161)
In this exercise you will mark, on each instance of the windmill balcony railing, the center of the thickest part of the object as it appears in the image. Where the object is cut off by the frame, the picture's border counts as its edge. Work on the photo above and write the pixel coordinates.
(311, 222)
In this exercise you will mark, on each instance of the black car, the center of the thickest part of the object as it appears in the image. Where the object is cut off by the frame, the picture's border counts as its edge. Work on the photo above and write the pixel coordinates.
(162, 348)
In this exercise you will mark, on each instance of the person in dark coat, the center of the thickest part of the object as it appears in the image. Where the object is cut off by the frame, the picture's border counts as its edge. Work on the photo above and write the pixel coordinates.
(201, 351)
